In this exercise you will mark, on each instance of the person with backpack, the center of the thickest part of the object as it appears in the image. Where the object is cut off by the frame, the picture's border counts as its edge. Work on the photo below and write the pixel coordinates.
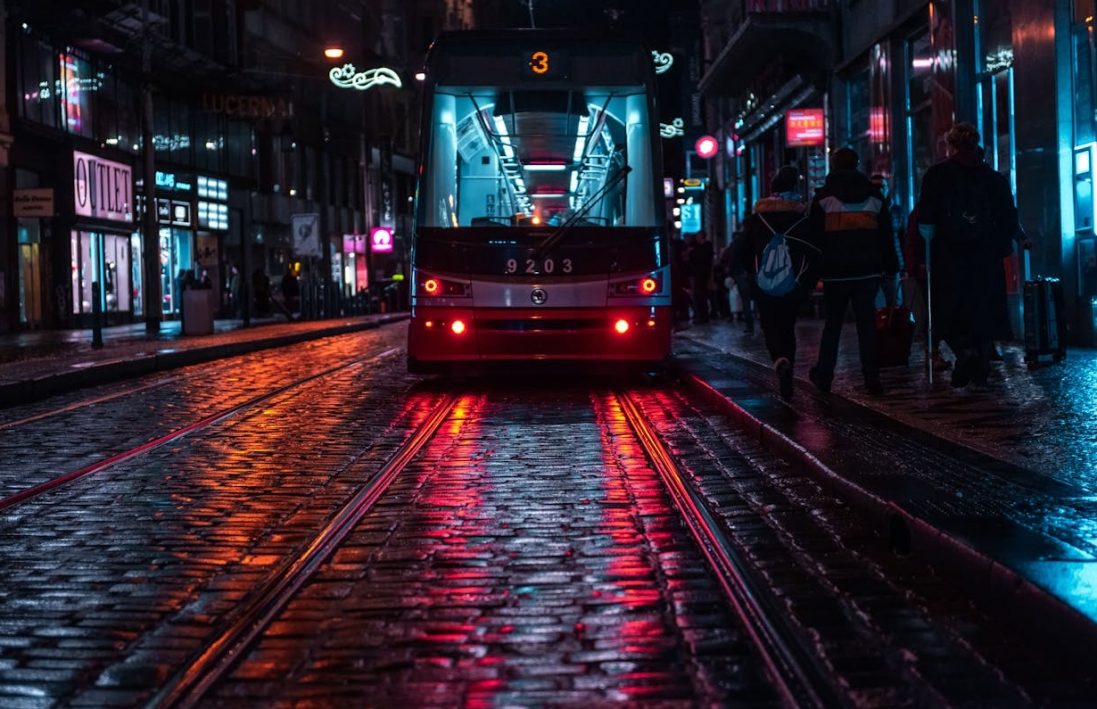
(850, 222)
(773, 247)
(967, 215)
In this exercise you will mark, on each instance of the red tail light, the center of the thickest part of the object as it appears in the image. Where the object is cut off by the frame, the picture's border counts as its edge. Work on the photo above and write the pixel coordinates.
(645, 285)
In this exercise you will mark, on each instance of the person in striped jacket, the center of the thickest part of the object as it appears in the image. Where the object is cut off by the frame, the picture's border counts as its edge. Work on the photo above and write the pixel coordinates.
(850, 222)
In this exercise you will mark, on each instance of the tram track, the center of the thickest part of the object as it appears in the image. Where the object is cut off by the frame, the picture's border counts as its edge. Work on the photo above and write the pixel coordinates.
(801, 680)
(186, 688)
(430, 541)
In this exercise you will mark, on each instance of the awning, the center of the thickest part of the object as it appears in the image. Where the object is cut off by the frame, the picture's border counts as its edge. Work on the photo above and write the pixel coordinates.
(803, 43)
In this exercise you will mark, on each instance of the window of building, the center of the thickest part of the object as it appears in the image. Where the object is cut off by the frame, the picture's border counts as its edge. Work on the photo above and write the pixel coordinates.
(39, 84)
(241, 150)
(919, 108)
(1083, 59)
(78, 85)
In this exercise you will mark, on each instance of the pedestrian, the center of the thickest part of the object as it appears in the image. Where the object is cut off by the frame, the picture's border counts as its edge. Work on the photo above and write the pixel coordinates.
(896, 219)
(742, 276)
(783, 212)
(700, 258)
(260, 285)
(721, 274)
(291, 290)
(679, 280)
(850, 222)
(234, 293)
(967, 214)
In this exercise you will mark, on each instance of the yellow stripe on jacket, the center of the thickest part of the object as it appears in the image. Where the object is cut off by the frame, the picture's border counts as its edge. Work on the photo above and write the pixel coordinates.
(849, 216)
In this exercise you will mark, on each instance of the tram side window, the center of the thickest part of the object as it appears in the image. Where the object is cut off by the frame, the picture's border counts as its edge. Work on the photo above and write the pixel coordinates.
(439, 190)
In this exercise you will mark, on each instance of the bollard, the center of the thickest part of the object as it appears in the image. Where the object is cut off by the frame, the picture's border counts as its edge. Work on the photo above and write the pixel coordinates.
(96, 317)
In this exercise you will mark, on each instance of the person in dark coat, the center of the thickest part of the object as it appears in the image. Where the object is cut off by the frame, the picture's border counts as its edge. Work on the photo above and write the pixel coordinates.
(291, 290)
(700, 257)
(679, 278)
(851, 224)
(966, 212)
(260, 286)
(784, 212)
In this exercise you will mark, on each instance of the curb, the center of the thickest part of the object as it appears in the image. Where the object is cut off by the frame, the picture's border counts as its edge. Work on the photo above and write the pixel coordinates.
(995, 585)
(25, 391)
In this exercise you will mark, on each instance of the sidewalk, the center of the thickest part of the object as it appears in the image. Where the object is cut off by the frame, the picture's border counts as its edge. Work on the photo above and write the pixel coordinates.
(997, 483)
(35, 365)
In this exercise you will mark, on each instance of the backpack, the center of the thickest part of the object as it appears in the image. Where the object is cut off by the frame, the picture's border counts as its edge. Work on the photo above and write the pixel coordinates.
(776, 276)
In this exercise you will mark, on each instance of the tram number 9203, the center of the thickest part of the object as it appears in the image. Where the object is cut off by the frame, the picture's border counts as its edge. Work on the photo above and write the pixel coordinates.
(530, 266)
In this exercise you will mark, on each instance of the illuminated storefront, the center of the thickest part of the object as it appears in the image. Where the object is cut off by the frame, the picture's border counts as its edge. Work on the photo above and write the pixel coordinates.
(102, 251)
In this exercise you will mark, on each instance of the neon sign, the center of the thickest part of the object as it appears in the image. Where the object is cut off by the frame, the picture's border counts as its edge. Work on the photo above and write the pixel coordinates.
(347, 77)
(804, 127)
(673, 130)
(706, 146)
(380, 239)
(663, 61)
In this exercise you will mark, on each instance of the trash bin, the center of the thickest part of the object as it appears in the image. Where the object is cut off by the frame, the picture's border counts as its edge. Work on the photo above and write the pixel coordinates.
(198, 312)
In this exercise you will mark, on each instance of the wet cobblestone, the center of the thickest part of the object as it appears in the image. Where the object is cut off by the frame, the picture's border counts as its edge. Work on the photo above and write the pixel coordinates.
(545, 583)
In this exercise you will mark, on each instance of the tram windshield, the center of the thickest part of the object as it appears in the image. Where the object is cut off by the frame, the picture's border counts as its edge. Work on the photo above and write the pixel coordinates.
(537, 157)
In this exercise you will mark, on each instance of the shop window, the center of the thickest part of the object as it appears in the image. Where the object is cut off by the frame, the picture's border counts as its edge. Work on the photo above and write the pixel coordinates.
(78, 85)
(1083, 85)
(919, 68)
(240, 150)
(996, 120)
(210, 142)
(39, 99)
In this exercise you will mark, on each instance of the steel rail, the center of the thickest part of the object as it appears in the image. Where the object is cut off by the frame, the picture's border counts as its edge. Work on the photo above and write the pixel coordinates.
(187, 687)
(66, 478)
(800, 679)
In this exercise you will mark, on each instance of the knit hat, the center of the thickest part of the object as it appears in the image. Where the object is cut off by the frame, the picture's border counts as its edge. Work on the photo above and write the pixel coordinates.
(844, 159)
(787, 179)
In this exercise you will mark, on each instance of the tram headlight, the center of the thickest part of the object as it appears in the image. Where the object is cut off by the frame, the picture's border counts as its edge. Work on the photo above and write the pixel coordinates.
(457, 326)
(621, 326)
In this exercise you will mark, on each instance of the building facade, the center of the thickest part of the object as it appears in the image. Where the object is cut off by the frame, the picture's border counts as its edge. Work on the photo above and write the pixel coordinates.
(888, 78)
(258, 160)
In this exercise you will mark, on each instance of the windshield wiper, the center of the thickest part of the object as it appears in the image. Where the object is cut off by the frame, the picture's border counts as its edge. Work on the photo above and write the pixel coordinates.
(554, 238)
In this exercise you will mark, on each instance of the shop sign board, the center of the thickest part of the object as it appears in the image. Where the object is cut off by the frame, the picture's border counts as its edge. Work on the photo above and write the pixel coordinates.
(381, 240)
(306, 234)
(33, 202)
(804, 127)
(691, 218)
(102, 189)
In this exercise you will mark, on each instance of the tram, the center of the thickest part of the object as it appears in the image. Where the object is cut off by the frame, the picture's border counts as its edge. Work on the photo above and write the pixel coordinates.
(540, 229)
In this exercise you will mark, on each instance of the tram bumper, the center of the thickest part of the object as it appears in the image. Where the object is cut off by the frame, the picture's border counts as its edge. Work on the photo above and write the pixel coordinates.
(628, 333)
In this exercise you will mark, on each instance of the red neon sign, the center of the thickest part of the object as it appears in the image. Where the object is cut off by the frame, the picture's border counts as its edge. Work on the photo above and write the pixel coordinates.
(706, 146)
(804, 127)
